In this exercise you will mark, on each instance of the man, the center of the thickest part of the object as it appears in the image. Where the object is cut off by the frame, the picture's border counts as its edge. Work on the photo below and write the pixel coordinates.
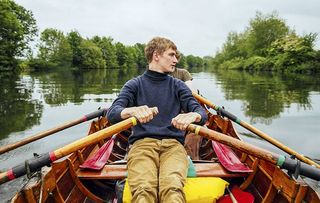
(157, 161)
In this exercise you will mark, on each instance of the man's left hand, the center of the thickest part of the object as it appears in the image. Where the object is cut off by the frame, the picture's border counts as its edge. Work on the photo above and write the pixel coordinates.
(182, 121)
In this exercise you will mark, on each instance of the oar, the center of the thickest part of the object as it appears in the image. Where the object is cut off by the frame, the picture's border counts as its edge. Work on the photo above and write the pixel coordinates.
(51, 131)
(289, 164)
(100, 158)
(36, 163)
(255, 131)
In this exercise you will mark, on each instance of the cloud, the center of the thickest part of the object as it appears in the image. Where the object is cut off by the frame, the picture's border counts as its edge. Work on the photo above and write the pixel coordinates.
(197, 27)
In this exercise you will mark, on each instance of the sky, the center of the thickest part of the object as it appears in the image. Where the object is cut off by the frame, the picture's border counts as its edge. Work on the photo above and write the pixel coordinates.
(198, 27)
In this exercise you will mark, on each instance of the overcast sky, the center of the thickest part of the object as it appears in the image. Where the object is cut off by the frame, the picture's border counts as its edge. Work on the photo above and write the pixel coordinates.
(198, 27)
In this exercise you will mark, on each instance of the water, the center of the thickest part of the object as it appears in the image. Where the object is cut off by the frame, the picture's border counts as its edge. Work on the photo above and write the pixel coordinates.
(286, 107)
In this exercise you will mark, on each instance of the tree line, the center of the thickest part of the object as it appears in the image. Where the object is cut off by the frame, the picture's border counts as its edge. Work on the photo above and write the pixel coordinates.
(268, 43)
(56, 49)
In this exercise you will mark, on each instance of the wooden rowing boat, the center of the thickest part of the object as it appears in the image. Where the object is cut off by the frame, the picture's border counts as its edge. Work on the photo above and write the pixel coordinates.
(64, 181)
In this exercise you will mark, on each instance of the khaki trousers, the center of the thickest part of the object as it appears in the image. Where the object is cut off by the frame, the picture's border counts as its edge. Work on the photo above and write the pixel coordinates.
(157, 171)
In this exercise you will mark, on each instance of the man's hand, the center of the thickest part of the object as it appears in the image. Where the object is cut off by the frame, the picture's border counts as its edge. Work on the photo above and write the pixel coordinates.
(143, 113)
(182, 121)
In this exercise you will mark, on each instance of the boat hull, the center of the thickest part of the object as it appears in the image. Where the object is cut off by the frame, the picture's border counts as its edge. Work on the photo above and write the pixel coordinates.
(64, 181)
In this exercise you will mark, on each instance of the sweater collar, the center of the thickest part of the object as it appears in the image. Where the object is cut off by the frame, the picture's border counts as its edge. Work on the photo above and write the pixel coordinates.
(153, 75)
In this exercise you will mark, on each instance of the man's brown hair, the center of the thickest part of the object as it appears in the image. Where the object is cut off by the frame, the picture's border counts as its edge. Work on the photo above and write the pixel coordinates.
(160, 45)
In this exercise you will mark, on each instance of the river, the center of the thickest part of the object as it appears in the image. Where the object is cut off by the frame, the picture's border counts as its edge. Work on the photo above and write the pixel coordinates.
(285, 106)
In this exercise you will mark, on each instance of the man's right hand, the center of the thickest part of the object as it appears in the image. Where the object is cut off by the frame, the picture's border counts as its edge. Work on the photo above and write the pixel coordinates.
(143, 113)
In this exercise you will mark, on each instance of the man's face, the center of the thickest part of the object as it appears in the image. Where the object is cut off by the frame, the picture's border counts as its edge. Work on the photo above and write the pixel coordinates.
(168, 60)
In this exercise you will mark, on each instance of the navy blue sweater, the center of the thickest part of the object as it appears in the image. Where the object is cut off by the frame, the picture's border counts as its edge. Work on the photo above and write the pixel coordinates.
(155, 89)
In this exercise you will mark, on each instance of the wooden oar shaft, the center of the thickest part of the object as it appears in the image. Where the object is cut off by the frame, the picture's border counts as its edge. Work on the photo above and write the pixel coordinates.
(36, 163)
(255, 131)
(95, 137)
(235, 143)
(278, 144)
(51, 131)
(276, 159)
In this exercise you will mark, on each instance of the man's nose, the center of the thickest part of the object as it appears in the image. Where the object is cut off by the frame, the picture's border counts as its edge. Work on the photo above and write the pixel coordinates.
(175, 59)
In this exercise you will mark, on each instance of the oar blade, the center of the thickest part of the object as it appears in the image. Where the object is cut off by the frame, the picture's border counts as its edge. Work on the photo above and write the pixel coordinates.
(100, 158)
(240, 196)
(228, 159)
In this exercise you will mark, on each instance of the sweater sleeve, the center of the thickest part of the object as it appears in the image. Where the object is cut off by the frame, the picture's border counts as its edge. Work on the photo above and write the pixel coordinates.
(124, 100)
(189, 103)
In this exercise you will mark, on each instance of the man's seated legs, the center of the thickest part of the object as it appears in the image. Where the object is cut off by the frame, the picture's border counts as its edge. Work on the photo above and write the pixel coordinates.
(173, 171)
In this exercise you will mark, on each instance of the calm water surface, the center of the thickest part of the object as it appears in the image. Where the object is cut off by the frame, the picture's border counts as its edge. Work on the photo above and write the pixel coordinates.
(286, 107)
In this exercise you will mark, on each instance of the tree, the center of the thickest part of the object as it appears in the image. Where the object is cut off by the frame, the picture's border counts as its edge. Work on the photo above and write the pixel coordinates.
(125, 56)
(292, 50)
(263, 30)
(91, 55)
(74, 39)
(18, 27)
(140, 59)
(54, 48)
(108, 50)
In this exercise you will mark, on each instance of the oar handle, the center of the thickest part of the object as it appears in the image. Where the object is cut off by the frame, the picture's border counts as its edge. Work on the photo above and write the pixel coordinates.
(51, 131)
(95, 114)
(276, 159)
(36, 163)
(254, 130)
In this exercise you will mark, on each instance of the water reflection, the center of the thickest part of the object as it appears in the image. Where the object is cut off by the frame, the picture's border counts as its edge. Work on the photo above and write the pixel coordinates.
(266, 95)
(22, 97)
(18, 110)
(63, 86)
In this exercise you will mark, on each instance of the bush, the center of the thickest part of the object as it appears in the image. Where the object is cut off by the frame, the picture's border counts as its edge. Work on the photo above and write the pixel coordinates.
(235, 63)
(257, 63)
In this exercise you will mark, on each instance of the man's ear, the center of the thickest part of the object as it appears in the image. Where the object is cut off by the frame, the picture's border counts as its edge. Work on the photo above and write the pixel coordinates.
(155, 55)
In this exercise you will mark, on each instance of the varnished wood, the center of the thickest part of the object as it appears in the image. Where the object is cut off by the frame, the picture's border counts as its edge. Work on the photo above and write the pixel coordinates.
(81, 187)
(260, 133)
(232, 142)
(249, 179)
(265, 182)
(271, 194)
(120, 172)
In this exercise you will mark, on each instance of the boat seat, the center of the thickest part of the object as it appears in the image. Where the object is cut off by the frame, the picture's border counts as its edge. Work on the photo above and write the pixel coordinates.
(119, 171)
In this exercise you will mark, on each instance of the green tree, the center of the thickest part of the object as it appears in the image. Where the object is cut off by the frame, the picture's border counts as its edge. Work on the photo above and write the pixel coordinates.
(108, 50)
(182, 61)
(125, 56)
(263, 30)
(54, 48)
(74, 39)
(292, 51)
(140, 59)
(18, 27)
(91, 55)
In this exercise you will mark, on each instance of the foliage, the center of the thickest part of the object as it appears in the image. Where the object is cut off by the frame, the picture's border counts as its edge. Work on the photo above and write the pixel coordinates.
(268, 44)
(140, 59)
(291, 51)
(263, 30)
(108, 50)
(54, 48)
(91, 55)
(182, 61)
(74, 39)
(18, 27)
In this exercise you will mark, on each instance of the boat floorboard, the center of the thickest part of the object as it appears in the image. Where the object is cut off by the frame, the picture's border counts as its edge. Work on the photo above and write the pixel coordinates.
(119, 171)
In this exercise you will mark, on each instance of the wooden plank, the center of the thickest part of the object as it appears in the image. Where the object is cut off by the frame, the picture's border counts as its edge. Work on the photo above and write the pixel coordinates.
(120, 171)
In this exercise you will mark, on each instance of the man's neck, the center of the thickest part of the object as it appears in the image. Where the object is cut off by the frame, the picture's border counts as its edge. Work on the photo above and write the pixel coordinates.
(155, 67)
